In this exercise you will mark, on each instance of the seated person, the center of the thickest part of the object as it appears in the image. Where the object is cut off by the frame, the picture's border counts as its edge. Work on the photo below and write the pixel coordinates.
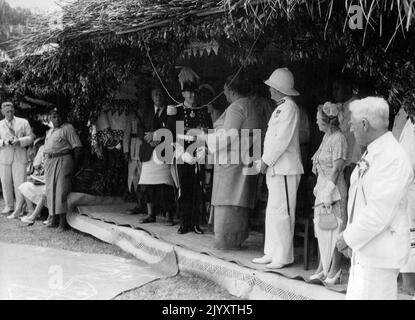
(35, 164)
(34, 190)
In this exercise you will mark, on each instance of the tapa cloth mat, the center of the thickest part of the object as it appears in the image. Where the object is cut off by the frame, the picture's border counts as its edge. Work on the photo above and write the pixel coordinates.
(252, 247)
(40, 273)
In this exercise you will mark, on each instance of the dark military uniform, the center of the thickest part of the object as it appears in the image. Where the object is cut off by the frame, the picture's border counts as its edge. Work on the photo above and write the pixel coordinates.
(191, 177)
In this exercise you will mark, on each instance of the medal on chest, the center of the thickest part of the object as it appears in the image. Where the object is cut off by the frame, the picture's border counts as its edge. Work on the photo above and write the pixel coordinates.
(192, 114)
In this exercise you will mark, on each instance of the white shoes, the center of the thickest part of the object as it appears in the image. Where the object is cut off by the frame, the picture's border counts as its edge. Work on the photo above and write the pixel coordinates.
(6, 210)
(264, 260)
(275, 265)
(319, 275)
(335, 278)
(26, 219)
(14, 215)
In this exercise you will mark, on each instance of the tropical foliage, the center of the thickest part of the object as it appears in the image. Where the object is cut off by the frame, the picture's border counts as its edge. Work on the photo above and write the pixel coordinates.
(101, 43)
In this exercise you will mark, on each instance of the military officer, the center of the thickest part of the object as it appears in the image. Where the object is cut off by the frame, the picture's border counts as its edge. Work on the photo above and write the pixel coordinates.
(190, 174)
(281, 162)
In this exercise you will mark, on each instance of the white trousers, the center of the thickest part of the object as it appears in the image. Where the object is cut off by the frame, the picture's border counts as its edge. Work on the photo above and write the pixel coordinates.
(12, 175)
(410, 266)
(279, 223)
(367, 283)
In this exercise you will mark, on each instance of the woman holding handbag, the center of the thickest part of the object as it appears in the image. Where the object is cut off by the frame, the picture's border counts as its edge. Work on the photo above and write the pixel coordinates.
(330, 214)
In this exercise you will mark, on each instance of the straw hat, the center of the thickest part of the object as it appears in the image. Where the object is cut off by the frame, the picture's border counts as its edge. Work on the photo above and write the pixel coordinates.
(282, 80)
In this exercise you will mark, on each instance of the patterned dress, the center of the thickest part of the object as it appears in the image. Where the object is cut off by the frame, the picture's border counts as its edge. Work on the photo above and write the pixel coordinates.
(332, 148)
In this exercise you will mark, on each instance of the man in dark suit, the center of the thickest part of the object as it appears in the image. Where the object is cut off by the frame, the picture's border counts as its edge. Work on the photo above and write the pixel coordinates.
(156, 176)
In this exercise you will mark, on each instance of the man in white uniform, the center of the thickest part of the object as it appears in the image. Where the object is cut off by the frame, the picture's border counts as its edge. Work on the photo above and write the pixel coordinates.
(377, 233)
(281, 162)
(15, 136)
(407, 141)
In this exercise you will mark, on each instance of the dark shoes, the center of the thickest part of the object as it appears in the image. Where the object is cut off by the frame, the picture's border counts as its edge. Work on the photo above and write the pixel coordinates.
(182, 230)
(195, 229)
(51, 222)
(148, 219)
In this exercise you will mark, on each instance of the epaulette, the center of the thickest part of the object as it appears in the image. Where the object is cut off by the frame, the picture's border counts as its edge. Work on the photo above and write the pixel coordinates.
(280, 102)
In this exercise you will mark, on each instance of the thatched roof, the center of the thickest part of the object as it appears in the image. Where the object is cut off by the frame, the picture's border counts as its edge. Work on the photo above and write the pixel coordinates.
(84, 19)
(109, 38)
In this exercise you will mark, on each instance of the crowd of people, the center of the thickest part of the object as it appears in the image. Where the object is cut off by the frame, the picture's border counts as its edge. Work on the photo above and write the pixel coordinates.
(363, 195)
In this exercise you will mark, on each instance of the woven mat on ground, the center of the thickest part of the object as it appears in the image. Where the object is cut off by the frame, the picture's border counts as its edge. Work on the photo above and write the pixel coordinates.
(39, 273)
(114, 214)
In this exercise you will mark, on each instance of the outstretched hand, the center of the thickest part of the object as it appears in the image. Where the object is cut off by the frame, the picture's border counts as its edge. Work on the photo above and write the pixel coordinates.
(148, 137)
(15, 142)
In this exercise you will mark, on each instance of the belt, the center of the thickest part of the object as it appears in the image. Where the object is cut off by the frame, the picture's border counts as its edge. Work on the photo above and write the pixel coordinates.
(134, 135)
(58, 154)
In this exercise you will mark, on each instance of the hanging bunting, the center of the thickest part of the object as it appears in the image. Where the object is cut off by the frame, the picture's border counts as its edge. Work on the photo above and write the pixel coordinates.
(197, 49)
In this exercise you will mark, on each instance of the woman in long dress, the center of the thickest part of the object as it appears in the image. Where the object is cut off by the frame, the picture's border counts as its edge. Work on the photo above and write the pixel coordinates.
(330, 192)
(62, 153)
(234, 187)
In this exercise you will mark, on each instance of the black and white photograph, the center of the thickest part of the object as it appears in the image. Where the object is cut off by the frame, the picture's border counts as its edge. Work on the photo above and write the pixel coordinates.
(207, 154)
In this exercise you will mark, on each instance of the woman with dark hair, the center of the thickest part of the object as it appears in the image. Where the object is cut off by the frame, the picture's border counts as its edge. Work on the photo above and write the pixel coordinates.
(330, 214)
(234, 186)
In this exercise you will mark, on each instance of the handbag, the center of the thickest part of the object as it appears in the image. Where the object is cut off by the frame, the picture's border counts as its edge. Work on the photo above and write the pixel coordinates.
(327, 219)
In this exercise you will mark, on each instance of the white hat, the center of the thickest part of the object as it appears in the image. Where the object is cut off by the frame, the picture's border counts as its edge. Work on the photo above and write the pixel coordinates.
(282, 80)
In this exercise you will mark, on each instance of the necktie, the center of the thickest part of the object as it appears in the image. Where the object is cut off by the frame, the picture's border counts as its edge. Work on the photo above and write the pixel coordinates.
(10, 127)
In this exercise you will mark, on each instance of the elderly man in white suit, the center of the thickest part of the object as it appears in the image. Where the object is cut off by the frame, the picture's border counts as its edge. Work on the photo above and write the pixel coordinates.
(377, 233)
(281, 161)
(15, 136)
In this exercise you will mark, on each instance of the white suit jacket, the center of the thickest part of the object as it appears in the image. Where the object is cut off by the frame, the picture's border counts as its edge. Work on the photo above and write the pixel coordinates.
(378, 232)
(23, 132)
(407, 141)
(282, 144)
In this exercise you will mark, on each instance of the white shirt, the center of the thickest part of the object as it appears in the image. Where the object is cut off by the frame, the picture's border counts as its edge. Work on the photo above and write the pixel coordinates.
(158, 110)
(10, 124)
(378, 232)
